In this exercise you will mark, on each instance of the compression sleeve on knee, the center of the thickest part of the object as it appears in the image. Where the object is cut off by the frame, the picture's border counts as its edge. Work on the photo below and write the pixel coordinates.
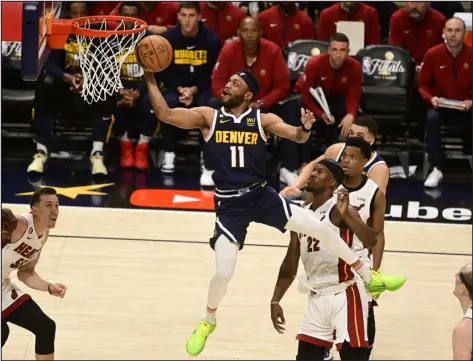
(302, 221)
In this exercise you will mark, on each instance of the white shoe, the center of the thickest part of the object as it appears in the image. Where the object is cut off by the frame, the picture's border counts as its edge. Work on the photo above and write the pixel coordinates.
(98, 167)
(287, 177)
(168, 162)
(206, 178)
(433, 179)
(37, 165)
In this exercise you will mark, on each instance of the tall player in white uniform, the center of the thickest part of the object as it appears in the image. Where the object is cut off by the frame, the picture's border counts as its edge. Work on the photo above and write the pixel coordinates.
(23, 238)
(337, 301)
(462, 334)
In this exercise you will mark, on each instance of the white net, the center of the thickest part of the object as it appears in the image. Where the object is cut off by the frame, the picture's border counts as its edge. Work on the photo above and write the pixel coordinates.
(101, 58)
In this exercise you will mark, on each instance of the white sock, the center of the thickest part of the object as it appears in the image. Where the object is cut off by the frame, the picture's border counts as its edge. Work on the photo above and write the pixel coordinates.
(124, 137)
(144, 139)
(226, 253)
(97, 147)
(302, 221)
(42, 148)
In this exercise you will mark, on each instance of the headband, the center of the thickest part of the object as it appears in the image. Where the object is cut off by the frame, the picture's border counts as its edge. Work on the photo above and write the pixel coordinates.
(463, 279)
(250, 81)
(334, 168)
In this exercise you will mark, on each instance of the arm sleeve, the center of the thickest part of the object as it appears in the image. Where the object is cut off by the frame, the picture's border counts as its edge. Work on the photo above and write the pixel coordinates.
(308, 101)
(221, 71)
(52, 65)
(395, 32)
(280, 82)
(425, 77)
(354, 91)
(324, 27)
(203, 81)
(374, 31)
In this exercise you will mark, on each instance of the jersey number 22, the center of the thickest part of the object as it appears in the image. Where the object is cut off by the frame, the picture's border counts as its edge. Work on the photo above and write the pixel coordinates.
(238, 156)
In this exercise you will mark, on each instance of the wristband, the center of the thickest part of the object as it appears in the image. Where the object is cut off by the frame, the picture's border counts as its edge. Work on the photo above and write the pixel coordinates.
(49, 289)
(274, 303)
(304, 129)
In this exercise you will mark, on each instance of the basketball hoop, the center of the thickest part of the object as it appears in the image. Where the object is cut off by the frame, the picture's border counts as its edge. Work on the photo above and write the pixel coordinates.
(104, 43)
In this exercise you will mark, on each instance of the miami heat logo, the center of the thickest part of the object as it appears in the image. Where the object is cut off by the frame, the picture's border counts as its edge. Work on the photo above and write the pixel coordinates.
(14, 294)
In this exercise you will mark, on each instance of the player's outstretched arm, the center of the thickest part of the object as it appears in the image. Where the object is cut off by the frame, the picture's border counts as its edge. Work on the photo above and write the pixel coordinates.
(377, 221)
(275, 125)
(27, 274)
(195, 118)
(365, 233)
(287, 273)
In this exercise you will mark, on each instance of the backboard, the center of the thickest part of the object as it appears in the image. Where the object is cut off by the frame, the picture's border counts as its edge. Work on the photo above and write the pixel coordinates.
(25, 22)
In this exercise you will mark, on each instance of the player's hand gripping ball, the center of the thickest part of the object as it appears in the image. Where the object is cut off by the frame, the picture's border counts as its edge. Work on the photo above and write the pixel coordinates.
(9, 223)
(154, 53)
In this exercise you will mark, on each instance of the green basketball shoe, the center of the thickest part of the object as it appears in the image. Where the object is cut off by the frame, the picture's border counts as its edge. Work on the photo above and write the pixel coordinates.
(196, 342)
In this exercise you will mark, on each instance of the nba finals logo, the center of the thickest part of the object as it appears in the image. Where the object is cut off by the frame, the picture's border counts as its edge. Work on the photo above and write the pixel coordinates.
(386, 69)
(296, 62)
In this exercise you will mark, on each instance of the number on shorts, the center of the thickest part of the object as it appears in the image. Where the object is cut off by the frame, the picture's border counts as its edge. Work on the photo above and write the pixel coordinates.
(238, 156)
(312, 245)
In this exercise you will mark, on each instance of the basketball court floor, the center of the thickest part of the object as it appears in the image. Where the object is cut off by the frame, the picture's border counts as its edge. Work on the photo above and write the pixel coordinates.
(138, 285)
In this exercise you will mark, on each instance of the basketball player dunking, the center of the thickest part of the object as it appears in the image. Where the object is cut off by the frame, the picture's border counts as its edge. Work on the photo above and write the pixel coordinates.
(236, 135)
(23, 238)
(337, 308)
(462, 334)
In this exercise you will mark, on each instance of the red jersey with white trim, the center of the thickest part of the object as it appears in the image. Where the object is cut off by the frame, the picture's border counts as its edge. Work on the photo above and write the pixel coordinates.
(323, 268)
(22, 252)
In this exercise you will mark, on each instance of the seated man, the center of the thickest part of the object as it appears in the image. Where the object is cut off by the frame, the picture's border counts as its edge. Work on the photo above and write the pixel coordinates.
(339, 76)
(187, 79)
(349, 11)
(446, 72)
(60, 83)
(222, 17)
(159, 15)
(133, 107)
(265, 60)
(284, 23)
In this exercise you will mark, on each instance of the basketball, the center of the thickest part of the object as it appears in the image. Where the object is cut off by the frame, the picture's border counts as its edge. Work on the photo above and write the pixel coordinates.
(155, 53)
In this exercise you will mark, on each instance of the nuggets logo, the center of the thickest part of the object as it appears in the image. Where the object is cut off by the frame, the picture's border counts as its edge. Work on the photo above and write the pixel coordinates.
(429, 32)
(159, 20)
(190, 57)
(343, 80)
(262, 72)
(297, 26)
(228, 18)
(466, 66)
(71, 49)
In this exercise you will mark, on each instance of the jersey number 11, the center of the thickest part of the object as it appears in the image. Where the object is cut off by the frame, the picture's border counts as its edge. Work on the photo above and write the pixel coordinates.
(238, 156)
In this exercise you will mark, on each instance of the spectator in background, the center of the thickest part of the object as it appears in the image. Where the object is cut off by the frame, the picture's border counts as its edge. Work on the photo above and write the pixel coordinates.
(60, 83)
(416, 28)
(102, 7)
(133, 107)
(284, 23)
(339, 76)
(159, 15)
(222, 17)
(265, 60)
(187, 79)
(446, 72)
(349, 11)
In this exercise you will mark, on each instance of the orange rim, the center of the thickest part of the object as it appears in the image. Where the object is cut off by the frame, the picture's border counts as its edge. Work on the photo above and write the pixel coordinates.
(77, 26)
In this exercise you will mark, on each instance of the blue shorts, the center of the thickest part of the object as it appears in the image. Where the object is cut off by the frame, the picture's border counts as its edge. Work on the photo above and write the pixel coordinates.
(261, 205)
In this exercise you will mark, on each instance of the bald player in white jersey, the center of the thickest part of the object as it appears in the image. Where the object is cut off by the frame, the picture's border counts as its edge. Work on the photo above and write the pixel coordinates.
(23, 238)
(338, 300)
(462, 334)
